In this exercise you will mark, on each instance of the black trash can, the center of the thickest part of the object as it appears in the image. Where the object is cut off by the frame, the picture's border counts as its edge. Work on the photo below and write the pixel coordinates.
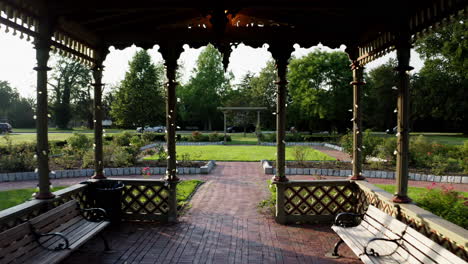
(108, 195)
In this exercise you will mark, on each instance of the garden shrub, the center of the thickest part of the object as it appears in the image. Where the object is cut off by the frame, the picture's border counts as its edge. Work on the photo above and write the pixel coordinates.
(196, 136)
(446, 203)
(79, 142)
(370, 144)
(122, 157)
(14, 158)
(300, 153)
(123, 139)
(153, 137)
(215, 137)
(137, 142)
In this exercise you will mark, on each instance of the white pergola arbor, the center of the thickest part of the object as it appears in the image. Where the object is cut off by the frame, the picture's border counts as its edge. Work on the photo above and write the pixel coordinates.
(227, 109)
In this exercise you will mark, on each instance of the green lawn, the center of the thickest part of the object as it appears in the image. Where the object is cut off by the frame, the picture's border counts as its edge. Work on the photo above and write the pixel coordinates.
(185, 189)
(240, 153)
(413, 192)
(239, 139)
(14, 197)
(11, 198)
(22, 138)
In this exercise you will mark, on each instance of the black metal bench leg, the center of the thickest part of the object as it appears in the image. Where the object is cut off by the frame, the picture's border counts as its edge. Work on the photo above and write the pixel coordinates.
(106, 244)
(334, 253)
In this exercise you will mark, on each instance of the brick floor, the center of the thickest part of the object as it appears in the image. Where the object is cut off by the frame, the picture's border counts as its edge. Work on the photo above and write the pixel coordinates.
(333, 153)
(222, 226)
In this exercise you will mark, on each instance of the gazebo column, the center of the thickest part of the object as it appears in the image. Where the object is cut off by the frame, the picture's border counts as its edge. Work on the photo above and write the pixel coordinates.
(42, 45)
(98, 146)
(281, 54)
(403, 47)
(357, 82)
(170, 54)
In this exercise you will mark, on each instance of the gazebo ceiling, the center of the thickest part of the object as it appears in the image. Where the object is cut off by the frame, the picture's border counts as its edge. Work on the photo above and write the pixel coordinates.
(85, 25)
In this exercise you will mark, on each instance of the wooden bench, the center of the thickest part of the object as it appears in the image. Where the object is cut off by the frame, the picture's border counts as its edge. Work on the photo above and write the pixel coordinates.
(380, 238)
(52, 236)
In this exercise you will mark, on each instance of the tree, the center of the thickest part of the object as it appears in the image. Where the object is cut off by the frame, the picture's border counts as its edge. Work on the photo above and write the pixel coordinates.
(68, 78)
(205, 90)
(14, 108)
(139, 100)
(264, 93)
(379, 99)
(439, 97)
(319, 91)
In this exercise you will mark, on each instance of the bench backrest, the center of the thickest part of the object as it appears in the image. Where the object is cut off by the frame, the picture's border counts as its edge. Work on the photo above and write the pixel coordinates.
(418, 247)
(19, 241)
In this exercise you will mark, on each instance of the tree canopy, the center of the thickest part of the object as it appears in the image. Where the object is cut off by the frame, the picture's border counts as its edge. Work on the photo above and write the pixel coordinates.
(205, 90)
(139, 99)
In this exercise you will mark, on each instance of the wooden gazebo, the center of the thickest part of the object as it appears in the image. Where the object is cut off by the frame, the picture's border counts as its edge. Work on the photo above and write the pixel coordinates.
(85, 30)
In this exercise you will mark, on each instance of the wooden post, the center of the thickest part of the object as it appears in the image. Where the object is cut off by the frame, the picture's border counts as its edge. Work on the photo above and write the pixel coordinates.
(170, 54)
(281, 54)
(98, 149)
(172, 202)
(280, 215)
(225, 129)
(357, 82)
(42, 45)
(258, 119)
(403, 46)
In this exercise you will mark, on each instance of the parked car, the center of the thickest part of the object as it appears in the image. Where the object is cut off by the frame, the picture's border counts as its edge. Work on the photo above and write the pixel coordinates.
(158, 129)
(233, 129)
(5, 128)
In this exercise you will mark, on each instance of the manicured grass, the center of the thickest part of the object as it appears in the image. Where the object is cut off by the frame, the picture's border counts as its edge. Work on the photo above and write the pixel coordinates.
(239, 139)
(413, 192)
(22, 138)
(11, 198)
(186, 188)
(241, 153)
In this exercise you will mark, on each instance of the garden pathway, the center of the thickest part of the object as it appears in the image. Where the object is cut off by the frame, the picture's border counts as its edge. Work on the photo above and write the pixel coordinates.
(223, 225)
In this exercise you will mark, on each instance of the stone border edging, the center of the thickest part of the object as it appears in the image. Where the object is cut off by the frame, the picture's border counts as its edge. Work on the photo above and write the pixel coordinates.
(268, 169)
(60, 174)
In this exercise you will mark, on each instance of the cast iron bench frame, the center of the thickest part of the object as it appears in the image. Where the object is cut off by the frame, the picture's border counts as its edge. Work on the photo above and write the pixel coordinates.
(53, 235)
(376, 237)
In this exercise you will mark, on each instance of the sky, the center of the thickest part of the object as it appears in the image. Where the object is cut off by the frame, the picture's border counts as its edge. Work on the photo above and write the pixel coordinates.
(17, 60)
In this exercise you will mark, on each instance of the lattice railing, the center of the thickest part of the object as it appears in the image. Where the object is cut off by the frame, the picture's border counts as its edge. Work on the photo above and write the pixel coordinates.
(147, 200)
(21, 213)
(314, 201)
(444, 233)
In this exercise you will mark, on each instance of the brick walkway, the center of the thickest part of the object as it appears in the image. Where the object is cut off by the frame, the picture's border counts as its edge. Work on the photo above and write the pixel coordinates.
(333, 153)
(222, 226)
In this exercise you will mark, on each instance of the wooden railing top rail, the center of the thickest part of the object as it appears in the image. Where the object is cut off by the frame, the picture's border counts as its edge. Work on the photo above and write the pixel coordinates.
(315, 182)
(433, 222)
(22, 212)
(131, 181)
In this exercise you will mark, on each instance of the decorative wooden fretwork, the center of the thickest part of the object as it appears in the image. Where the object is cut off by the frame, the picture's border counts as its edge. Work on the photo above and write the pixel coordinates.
(20, 18)
(145, 200)
(318, 200)
(366, 196)
(315, 201)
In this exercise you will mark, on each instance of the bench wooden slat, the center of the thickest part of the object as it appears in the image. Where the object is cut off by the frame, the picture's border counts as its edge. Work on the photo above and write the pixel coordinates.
(78, 240)
(414, 247)
(401, 255)
(391, 235)
(352, 244)
(421, 243)
(17, 245)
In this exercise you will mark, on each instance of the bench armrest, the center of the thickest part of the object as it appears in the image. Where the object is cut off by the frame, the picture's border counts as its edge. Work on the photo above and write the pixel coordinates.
(94, 214)
(58, 247)
(347, 219)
